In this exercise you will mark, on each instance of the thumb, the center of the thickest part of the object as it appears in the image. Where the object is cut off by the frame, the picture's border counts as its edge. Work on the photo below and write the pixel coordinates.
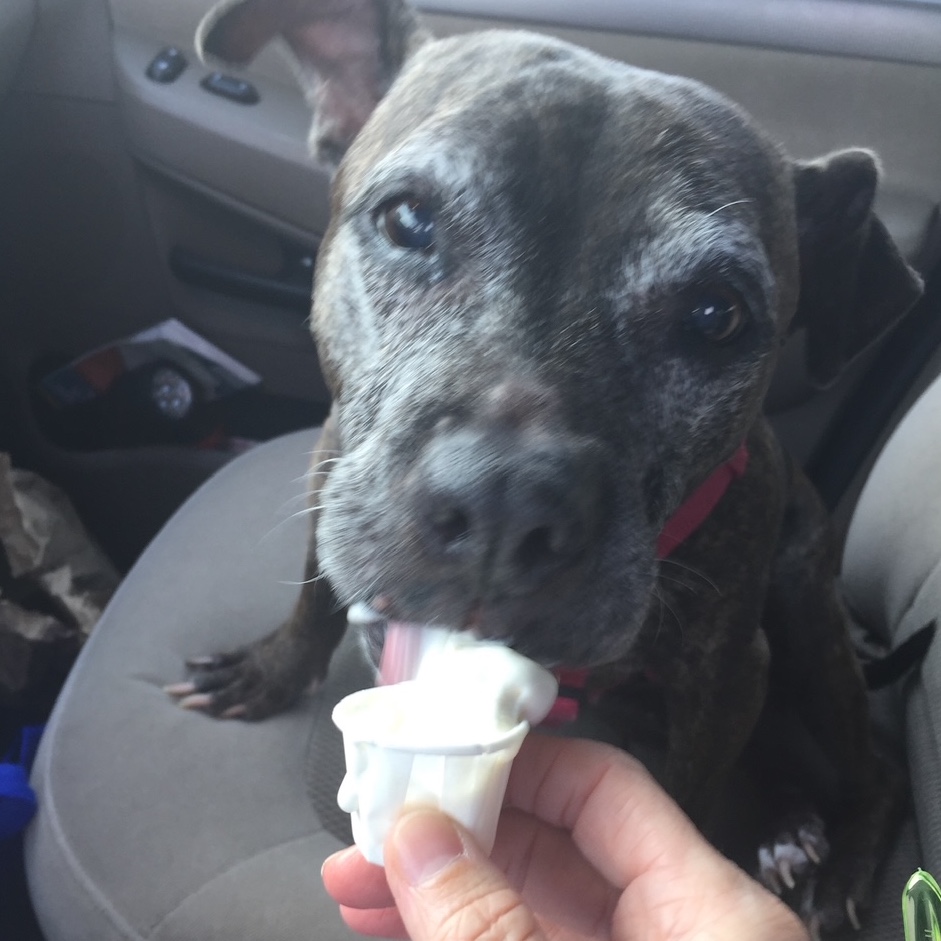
(445, 887)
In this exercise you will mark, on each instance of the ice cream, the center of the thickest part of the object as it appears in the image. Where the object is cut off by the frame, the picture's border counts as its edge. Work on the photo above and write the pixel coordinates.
(445, 738)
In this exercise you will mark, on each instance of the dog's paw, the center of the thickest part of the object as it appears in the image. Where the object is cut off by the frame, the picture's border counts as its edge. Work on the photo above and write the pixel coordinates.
(249, 683)
(826, 887)
(790, 860)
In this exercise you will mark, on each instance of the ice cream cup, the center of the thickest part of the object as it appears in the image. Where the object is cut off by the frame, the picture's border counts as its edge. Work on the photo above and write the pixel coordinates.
(458, 766)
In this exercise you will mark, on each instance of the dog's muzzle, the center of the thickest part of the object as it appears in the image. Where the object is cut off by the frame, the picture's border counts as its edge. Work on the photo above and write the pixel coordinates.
(516, 506)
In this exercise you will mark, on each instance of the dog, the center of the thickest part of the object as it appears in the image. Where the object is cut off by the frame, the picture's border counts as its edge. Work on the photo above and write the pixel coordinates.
(548, 306)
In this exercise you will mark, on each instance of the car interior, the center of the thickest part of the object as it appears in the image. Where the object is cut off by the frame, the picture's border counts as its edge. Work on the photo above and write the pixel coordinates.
(140, 187)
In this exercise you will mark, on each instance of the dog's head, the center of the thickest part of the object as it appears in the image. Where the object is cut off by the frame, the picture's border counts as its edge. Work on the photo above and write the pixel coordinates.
(548, 304)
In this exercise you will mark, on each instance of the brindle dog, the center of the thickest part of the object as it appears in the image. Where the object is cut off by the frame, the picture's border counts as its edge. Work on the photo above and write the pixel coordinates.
(548, 306)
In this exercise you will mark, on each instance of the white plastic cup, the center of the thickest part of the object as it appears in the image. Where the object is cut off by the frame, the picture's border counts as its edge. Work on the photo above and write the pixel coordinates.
(392, 766)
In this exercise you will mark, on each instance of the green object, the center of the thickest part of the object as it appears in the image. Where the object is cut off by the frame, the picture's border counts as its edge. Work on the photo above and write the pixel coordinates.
(921, 908)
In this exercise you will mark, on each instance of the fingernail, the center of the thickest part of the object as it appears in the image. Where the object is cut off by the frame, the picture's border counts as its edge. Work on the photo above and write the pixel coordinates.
(338, 857)
(426, 843)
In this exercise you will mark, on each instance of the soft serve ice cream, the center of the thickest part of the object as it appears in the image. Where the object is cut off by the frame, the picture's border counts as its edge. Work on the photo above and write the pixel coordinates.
(444, 736)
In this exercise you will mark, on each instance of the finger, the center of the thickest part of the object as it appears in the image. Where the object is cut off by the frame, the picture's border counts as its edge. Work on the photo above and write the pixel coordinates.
(619, 817)
(554, 878)
(540, 861)
(445, 887)
(639, 839)
(376, 923)
(353, 882)
(714, 900)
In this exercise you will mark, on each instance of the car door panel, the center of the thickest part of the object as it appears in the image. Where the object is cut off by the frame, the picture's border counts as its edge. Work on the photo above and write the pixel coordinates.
(255, 153)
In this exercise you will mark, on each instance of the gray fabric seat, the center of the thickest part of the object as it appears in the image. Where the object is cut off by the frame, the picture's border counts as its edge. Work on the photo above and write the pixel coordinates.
(160, 824)
(892, 579)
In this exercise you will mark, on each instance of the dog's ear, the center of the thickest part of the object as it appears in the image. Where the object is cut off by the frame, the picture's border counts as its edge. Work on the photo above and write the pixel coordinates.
(347, 53)
(854, 282)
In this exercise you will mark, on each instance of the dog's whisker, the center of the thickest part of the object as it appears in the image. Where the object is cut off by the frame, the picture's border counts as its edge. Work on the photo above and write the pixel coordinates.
(321, 469)
(305, 511)
(735, 202)
(677, 581)
(326, 461)
(660, 606)
(315, 473)
(287, 583)
(666, 604)
(276, 528)
(297, 498)
(305, 497)
(319, 577)
(693, 571)
(316, 468)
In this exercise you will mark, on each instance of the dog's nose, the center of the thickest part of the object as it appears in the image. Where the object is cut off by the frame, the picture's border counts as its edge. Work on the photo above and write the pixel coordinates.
(511, 507)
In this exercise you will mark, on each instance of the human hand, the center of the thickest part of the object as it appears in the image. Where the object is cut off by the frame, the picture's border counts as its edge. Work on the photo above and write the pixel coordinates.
(588, 847)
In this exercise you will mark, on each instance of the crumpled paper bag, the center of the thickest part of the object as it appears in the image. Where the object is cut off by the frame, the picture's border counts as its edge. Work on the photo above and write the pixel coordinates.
(54, 582)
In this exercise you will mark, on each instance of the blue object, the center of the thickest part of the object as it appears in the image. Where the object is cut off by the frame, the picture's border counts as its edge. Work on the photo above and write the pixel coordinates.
(17, 798)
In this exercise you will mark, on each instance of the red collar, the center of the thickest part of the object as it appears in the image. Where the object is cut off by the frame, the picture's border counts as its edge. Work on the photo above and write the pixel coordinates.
(695, 510)
(692, 513)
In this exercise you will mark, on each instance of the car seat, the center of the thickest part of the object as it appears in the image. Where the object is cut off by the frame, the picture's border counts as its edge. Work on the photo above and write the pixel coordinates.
(156, 823)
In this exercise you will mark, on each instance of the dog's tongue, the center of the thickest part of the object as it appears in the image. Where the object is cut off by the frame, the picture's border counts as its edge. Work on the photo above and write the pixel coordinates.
(482, 674)
(457, 665)
(403, 647)
(401, 652)
(407, 644)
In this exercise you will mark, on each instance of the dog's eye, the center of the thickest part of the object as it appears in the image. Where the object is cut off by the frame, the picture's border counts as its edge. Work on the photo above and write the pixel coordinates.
(717, 315)
(408, 223)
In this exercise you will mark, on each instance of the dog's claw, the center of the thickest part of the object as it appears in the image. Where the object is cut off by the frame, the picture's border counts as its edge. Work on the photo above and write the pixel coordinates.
(782, 863)
(811, 851)
(851, 914)
(768, 871)
(813, 840)
(196, 701)
(180, 690)
(202, 663)
(813, 928)
(216, 661)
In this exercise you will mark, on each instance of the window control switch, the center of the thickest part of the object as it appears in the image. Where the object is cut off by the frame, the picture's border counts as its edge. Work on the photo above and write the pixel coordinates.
(227, 86)
(166, 66)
